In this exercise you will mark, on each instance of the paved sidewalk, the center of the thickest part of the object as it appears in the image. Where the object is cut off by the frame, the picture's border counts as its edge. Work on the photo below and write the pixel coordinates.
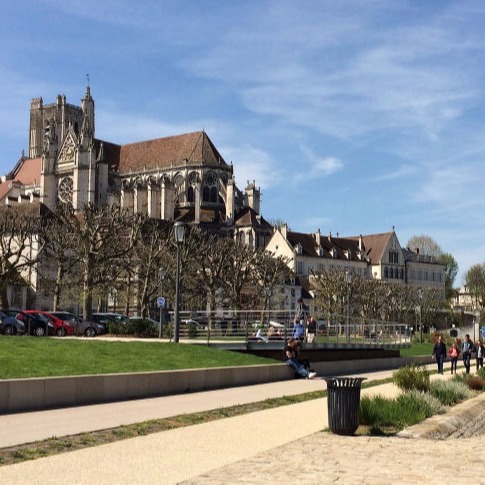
(222, 451)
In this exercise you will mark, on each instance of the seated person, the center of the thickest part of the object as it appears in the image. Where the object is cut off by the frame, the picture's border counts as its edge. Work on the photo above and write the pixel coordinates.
(301, 367)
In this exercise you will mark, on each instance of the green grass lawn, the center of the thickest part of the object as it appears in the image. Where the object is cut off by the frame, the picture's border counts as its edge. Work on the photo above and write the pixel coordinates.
(22, 357)
(417, 348)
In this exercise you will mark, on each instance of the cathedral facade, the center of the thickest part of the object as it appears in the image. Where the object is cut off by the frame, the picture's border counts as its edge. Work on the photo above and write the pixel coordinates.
(182, 177)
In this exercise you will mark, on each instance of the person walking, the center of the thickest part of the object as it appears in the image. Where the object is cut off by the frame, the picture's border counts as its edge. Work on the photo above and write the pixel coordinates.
(301, 314)
(439, 353)
(466, 351)
(454, 352)
(311, 330)
(480, 352)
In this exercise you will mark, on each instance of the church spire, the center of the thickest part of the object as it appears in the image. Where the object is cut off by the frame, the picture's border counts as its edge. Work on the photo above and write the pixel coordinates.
(87, 106)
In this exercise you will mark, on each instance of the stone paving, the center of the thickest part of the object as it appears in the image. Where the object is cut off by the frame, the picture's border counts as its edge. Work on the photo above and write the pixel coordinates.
(323, 458)
(416, 455)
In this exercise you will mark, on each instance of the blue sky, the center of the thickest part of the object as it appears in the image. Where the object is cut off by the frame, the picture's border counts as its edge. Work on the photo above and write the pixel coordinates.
(352, 116)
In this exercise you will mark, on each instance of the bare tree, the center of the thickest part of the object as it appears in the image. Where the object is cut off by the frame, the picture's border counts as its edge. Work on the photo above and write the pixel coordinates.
(104, 236)
(154, 252)
(240, 275)
(425, 245)
(475, 281)
(20, 246)
(268, 273)
(59, 260)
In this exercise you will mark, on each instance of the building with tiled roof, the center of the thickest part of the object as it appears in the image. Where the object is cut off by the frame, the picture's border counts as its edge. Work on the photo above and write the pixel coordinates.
(376, 256)
(182, 177)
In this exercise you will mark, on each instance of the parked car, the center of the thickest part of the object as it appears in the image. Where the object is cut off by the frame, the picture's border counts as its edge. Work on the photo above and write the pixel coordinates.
(109, 318)
(80, 326)
(61, 327)
(10, 325)
(33, 324)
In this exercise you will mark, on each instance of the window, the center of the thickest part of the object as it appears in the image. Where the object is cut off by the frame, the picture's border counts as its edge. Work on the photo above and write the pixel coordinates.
(299, 267)
(213, 194)
(206, 194)
(386, 272)
(190, 194)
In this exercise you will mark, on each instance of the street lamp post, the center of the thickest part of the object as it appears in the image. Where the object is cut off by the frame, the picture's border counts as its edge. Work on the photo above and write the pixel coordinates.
(161, 275)
(348, 281)
(420, 296)
(268, 292)
(179, 230)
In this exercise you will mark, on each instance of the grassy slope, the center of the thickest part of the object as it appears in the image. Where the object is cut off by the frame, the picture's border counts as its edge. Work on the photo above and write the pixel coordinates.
(22, 357)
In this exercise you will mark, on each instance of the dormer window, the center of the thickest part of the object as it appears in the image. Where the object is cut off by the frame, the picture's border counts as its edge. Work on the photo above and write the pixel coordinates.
(333, 253)
(348, 254)
(299, 249)
(320, 250)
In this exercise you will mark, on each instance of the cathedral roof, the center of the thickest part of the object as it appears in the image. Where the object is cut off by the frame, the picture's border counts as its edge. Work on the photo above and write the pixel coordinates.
(249, 217)
(196, 148)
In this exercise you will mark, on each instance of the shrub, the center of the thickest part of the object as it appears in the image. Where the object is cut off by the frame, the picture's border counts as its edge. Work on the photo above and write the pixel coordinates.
(408, 408)
(481, 372)
(372, 409)
(414, 406)
(449, 392)
(412, 377)
(141, 328)
(475, 383)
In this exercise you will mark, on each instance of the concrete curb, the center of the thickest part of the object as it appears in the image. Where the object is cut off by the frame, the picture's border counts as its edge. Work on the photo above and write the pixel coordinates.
(17, 395)
(442, 426)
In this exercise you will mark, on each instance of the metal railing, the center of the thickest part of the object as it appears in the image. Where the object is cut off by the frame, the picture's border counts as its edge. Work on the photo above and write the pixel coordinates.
(271, 327)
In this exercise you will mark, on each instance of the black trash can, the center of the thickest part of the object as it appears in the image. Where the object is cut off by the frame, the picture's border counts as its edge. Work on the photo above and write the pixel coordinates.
(343, 398)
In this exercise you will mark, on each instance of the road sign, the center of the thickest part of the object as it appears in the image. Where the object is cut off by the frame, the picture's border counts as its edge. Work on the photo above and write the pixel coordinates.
(160, 301)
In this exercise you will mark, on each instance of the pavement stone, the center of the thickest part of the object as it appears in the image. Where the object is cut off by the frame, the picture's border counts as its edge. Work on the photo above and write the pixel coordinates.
(284, 443)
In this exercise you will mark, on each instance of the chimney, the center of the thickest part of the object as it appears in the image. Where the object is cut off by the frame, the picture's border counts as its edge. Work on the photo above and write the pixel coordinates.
(317, 237)
(284, 230)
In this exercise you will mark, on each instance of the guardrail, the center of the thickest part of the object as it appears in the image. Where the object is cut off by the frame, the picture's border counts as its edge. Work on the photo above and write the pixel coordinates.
(278, 326)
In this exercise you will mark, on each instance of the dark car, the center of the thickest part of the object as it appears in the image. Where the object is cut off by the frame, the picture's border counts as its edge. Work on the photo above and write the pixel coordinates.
(80, 326)
(10, 325)
(107, 319)
(33, 324)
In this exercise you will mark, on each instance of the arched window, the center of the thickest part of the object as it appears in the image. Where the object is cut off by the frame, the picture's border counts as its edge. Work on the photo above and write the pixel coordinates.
(213, 196)
(206, 194)
(190, 194)
(402, 273)
(386, 272)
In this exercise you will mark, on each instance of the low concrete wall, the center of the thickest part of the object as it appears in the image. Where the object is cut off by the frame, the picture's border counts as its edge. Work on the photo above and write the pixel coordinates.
(18, 395)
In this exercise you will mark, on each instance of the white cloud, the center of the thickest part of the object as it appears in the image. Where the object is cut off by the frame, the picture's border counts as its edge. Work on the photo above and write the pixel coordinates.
(250, 164)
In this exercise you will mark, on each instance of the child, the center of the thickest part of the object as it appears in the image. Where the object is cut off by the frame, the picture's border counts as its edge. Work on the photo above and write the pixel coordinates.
(454, 352)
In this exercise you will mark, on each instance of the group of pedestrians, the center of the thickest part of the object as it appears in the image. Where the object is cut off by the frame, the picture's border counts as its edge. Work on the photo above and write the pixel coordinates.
(466, 349)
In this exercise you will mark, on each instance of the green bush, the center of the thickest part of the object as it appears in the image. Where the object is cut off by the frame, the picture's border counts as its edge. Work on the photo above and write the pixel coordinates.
(415, 406)
(373, 410)
(138, 327)
(407, 409)
(450, 392)
(412, 377)
(481, 373)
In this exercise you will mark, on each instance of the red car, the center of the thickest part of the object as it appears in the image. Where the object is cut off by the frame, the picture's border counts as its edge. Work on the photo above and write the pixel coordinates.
(62, 328)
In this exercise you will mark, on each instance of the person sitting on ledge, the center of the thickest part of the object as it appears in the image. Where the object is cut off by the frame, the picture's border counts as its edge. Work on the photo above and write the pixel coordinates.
(301, 367)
